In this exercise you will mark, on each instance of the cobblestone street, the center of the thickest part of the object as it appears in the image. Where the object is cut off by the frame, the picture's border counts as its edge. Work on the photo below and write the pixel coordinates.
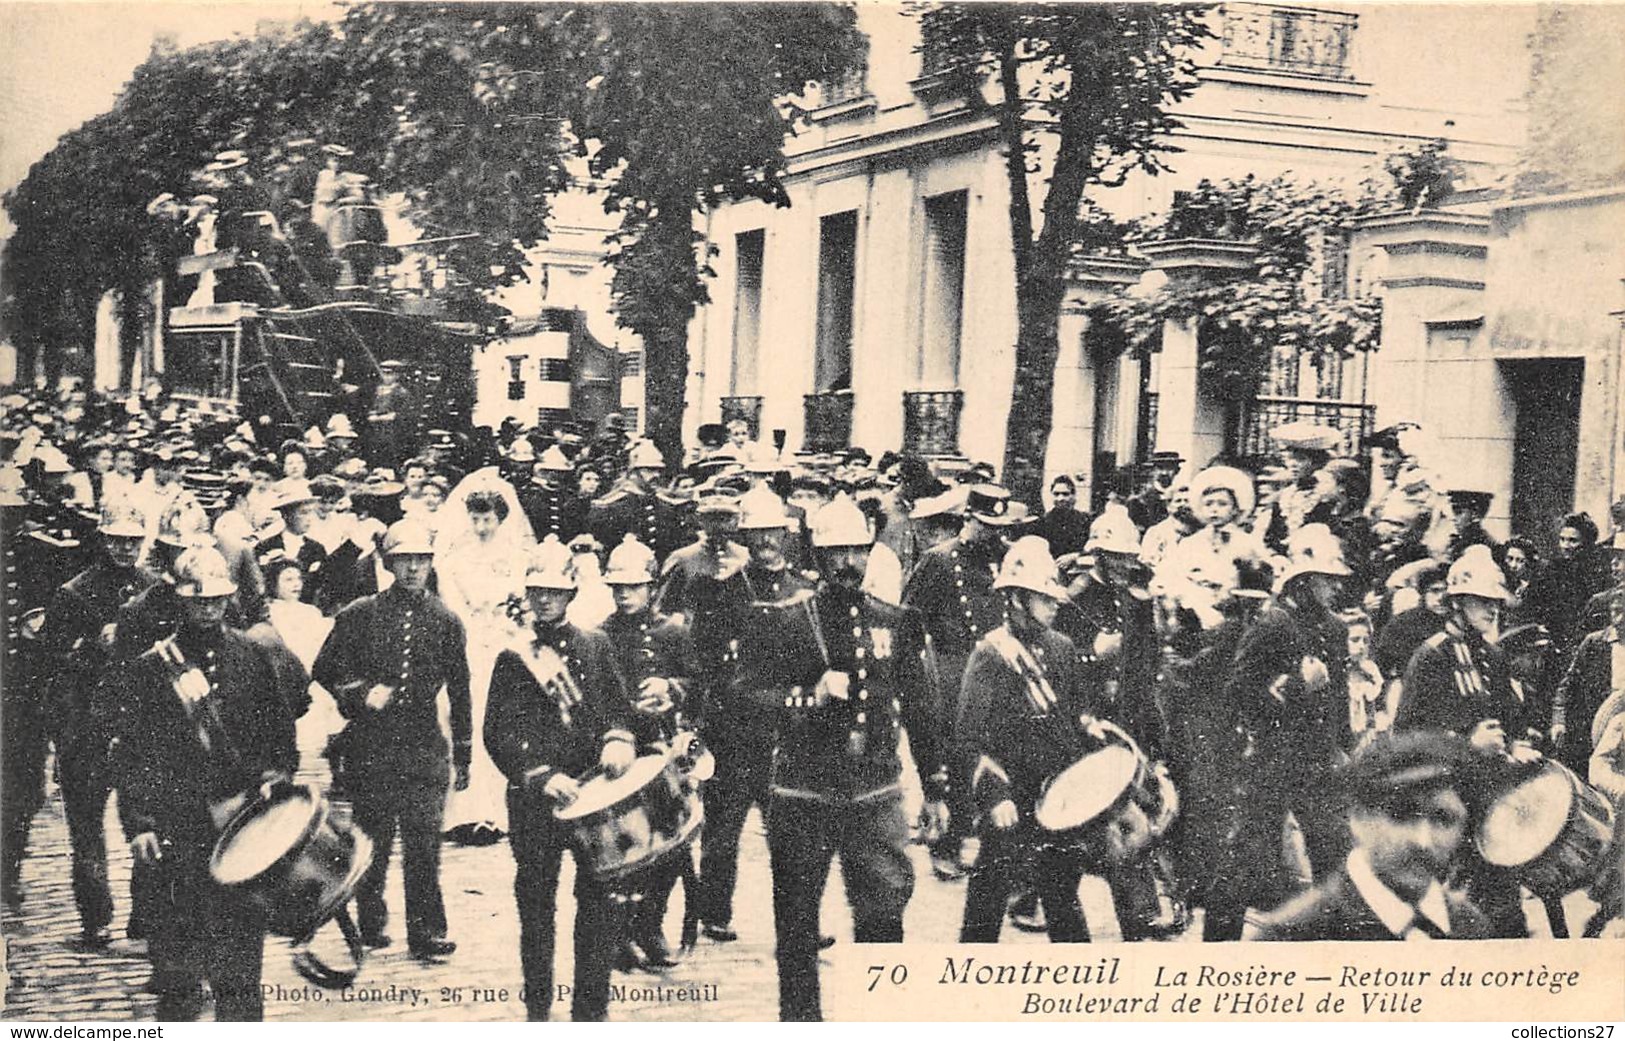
(51, 978)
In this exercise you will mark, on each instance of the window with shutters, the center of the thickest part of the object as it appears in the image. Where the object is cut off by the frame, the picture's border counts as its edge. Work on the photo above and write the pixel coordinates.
(632, 363)
(553, 370)
(748, 254)
(943, 291)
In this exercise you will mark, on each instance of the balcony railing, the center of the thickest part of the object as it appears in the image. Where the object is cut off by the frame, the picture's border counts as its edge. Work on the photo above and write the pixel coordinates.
(1300, 41)
(931, 422)
(744, 406)
(828, 423)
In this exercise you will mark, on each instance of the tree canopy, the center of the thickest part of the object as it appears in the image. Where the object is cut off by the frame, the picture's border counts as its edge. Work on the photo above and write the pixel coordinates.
(1086, 93)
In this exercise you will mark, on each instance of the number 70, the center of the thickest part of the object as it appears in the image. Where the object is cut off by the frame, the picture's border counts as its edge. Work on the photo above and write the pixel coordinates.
(896, 977)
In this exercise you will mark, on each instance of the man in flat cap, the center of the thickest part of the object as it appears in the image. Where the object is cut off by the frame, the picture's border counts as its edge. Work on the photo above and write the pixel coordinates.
(1408, 817)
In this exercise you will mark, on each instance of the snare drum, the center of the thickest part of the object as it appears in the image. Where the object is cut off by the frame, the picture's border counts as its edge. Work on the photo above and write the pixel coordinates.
(285, 851)
(1550, 828)
(1111, 802)
(622, 825)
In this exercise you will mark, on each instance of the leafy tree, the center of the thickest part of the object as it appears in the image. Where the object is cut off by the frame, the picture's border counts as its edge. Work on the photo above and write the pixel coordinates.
(1085, 93)
(687, 106)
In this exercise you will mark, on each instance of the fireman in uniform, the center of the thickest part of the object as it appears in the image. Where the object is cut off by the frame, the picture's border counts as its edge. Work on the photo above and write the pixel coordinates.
(739, 725)
(79, 630)
(656, 660)
(852, 676)
(952, 589)
(385, 662)
(557, 710)
(635, 508)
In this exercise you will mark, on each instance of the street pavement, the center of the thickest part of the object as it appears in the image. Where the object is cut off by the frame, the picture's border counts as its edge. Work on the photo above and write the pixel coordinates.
(50, 978)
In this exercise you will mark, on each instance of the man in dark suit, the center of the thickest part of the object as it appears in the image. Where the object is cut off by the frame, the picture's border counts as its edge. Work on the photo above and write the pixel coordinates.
(1063, 525)
(297, 504)
(1410, 799)
(385, 662)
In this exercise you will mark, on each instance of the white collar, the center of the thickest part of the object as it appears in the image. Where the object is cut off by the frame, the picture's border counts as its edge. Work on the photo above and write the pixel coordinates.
(1396, 914)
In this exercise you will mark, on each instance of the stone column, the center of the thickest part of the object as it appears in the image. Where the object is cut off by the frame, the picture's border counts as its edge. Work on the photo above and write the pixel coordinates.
(1190, 418)
(1073, 431)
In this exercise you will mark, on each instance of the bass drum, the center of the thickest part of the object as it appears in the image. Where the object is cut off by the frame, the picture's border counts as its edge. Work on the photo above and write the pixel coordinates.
(1111, 803)
(622, 825)
(285, 851)
(1550, 829)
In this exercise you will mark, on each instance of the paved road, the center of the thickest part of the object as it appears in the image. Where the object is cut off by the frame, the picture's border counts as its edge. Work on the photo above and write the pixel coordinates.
(49, 978)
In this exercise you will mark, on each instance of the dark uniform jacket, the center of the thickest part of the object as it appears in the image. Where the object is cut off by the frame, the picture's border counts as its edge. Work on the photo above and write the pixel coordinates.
(1400, 638)
(1023, 738)
(89, 602)
(173, 774)
(1307, 725)
(751, 612)
(656, 521)
(554, 511)
(1455, 681)
(952, 589)
(1335, 910)
(844, 750)
(413, 643)
(1585, 686)
(652, 645)
(534, 731)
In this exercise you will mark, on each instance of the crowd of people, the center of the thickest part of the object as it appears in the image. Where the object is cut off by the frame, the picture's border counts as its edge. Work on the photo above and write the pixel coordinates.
(1286, 695)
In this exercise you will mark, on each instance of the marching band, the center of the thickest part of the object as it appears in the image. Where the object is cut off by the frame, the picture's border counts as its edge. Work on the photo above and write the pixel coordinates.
(1301, 698)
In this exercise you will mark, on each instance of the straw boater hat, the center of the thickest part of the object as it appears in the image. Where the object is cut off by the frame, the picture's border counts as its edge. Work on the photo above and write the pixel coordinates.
(1307, 436)
(551, 567)
(1029, 565)
(630, 564)
(841, 523)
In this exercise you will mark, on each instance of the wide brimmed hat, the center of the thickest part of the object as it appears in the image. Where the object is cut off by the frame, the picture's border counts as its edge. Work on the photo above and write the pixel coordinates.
(1476, 574)
(292, 492)
(119, 523)
(1465, 499)
(950, 503)
(1113, 532)
(1314, 550)
(630, 564)
(841, 523)
(202, 573)
(1230, 479)
(1029, 565)
(990, 504)
(551, 567)
(760, 509)
(1307, 436)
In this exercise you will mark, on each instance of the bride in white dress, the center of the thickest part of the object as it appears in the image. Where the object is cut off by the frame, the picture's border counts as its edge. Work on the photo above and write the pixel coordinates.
(481, 549)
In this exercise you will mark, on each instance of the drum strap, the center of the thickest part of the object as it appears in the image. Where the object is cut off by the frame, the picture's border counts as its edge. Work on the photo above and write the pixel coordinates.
(552, 675)
(1015, 653)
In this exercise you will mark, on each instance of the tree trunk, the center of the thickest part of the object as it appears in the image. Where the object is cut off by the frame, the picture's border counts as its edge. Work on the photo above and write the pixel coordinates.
(665, 347)
(1032, 399)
